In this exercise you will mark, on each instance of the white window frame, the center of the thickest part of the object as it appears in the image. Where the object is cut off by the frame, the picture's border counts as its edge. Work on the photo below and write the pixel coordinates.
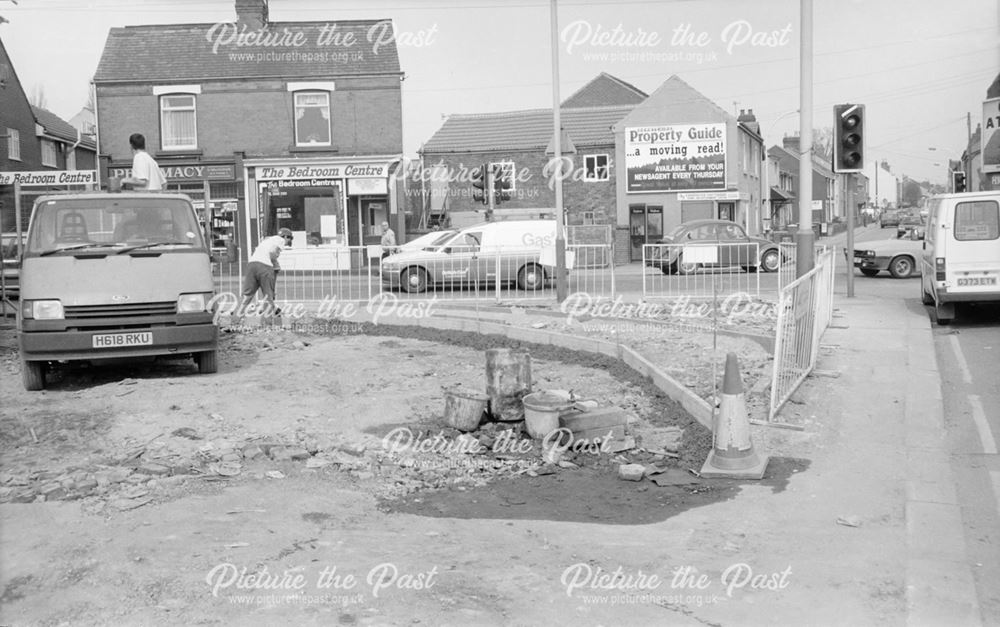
(507, 166)
(13, 144)
(193, 108)
(596, 178)
(50, 153)
(295, 116)
(588, 218)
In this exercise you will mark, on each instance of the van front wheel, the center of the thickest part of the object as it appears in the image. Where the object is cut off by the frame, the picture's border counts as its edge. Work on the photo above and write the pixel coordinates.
(208, 362)
(531, 277)
(33, 375)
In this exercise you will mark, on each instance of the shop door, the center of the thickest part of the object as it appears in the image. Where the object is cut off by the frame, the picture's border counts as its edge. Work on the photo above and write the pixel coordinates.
(727, 211)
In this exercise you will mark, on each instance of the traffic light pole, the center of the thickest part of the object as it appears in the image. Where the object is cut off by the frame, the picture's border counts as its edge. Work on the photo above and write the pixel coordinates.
(561, 287)
(851, 204)
(805, 240)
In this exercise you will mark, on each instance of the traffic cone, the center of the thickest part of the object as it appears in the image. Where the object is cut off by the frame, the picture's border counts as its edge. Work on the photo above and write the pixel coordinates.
(732, 452)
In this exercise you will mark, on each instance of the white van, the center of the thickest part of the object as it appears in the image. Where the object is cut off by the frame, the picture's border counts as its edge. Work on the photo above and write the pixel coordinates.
(513, 251)
(960, 261)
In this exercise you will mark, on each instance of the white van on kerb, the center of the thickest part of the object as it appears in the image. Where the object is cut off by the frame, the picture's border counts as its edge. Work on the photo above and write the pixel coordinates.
(511, 251)
(960, 262)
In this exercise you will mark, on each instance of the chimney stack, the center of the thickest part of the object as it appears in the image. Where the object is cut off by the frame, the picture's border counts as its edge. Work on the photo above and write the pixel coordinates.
(791, 144)
(252, 14)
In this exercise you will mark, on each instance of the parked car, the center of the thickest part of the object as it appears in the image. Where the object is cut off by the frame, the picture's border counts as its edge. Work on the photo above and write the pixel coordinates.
(427, 240)
(907, 224)
(9, 279)
(735, 248)
(897, 256)
(889, 218)
(516, 249)
(960, 262)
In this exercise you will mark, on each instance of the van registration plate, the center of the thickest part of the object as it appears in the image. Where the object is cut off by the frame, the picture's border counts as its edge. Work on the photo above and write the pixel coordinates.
(985, 280)
(115, 340)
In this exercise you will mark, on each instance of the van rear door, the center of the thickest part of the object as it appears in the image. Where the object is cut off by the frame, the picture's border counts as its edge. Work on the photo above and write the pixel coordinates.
(972, 255)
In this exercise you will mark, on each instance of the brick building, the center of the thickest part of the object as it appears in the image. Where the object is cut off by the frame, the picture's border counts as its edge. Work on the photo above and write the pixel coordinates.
(521, 142)
(823, 186)
(295, 124)
(683, 158)
(33, 139)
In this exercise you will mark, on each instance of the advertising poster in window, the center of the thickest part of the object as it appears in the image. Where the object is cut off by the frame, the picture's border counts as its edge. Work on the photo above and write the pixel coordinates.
(680, 157)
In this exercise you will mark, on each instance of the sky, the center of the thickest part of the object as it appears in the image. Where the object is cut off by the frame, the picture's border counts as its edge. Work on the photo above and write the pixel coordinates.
(920, 67)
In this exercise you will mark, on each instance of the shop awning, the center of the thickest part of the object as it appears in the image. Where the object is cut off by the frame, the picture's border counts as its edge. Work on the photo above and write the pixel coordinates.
(779, 194)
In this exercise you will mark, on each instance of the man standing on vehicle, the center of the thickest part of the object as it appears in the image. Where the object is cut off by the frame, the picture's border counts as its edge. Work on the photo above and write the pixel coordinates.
(146, 174)
(262, 272)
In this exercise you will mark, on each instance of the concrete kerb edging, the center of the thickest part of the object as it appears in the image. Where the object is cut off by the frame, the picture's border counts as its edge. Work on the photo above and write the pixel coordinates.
(699, 409)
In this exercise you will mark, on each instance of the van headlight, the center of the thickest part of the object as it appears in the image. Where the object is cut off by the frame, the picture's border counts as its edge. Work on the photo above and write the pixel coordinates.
(42, 309)
(191, 303)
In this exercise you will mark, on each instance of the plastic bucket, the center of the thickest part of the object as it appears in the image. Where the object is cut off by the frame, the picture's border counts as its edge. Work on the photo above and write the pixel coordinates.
(542, 411)
(463, 409)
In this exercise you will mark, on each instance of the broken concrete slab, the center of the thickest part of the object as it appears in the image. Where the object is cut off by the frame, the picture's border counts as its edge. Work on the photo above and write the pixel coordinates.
(631, 472)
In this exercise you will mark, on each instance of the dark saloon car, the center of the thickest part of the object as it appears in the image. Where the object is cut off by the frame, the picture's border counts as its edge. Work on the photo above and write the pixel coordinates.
(735, 248)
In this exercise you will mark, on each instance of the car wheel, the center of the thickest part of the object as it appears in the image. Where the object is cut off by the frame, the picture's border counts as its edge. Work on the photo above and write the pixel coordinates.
(207, 361)
(33, 375)
(667, 268)
(901, 267)
(414, 280)
(869, 271)
(925, 298)
(685, 268)
(531, 277)
(770, 260)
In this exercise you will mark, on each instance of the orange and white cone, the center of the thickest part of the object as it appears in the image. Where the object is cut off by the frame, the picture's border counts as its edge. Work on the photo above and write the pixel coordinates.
(732, 453)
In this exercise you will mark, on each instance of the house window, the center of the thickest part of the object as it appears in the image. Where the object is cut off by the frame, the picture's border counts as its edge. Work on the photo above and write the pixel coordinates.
(588, 217)
(178, 124)
(312, 118)
(13, 144)
(507, 172)
(595, 168)
(48, 153)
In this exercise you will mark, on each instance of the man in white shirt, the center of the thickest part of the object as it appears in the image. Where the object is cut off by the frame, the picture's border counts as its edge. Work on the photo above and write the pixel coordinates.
(388, 240)
(146, 174)
(262, 271)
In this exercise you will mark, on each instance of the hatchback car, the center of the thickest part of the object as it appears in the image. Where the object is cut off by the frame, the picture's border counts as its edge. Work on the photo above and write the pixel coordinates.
(907, 224)
(735, 248)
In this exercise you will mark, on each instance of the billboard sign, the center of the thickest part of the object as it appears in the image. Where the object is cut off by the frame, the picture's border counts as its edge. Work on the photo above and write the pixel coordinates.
(676, 158)
(991, 135)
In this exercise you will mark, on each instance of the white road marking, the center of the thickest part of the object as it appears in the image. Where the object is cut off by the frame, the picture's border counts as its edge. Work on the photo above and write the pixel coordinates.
(962, 364)
(979, 417)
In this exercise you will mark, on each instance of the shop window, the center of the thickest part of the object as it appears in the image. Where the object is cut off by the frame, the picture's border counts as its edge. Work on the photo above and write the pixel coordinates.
(178, 123)
(13, 144)
(312, 118)
(595, 167)
(49, 153)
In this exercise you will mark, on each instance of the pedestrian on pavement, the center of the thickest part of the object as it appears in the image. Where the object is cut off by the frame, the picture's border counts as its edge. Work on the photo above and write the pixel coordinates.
(388, 240)
(262, 271)
(146, 173)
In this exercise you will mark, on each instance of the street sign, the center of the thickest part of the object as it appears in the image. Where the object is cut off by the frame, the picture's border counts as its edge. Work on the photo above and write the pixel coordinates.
(43, 178)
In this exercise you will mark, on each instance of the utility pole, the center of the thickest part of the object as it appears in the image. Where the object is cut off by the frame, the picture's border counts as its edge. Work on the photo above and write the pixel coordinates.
(805, 239)
(850, 234)
(561, 287)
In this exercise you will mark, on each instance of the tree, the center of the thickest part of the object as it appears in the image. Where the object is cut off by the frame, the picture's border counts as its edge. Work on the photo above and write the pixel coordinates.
(912, 192)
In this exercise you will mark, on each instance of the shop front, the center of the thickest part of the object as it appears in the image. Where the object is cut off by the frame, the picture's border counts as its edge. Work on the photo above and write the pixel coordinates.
(334, 208)
(217, 180)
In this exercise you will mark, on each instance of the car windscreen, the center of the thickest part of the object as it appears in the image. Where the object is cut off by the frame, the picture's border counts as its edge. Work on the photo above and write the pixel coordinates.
(77, 223)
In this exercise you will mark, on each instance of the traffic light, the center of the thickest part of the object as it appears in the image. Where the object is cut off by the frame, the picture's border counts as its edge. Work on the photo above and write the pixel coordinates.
(480, 185)
(501, 183)
(958, 181)
(848, 138)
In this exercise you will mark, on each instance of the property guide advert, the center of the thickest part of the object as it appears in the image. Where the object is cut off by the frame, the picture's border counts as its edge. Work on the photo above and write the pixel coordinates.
(681, 157)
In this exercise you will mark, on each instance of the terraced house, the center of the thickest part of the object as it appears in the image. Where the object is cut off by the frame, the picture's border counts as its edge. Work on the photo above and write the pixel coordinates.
(283, 124)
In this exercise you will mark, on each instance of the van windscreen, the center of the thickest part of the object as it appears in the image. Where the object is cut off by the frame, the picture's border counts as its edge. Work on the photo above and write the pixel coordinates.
(112, 222)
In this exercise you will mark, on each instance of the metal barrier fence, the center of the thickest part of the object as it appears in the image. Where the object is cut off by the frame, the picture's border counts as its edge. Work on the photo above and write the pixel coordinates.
(357, 273)
(702, 270)
(805, 308)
